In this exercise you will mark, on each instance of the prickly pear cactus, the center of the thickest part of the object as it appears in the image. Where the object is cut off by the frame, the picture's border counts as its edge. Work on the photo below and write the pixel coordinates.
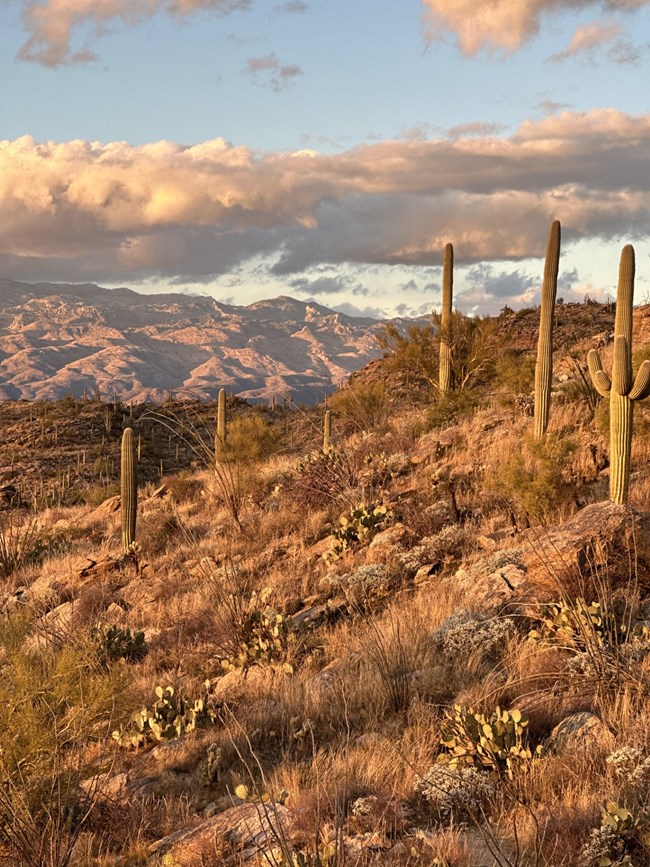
(544, 364)
(129, 489)
(622, 389)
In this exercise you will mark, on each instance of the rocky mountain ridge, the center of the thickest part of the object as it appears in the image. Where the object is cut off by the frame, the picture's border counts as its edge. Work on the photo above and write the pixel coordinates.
(58, 339)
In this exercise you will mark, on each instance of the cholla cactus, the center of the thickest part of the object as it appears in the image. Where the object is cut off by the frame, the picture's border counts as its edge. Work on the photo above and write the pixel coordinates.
(622, 389)
(327, 432)
(445, 379)
(129, 490)
(220, 437)
(544, 365)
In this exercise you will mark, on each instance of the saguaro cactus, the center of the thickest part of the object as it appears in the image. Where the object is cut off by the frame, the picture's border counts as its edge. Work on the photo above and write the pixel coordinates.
(544, 364)
(129, 489)
(220, 437)
(445, 376)
(623, 389)
(327, 432)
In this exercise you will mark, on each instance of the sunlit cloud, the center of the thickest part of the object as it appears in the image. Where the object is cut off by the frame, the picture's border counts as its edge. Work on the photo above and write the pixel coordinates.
(51, 24)
(269, 71)
(590, 41)
(503, 25)
(84, 210)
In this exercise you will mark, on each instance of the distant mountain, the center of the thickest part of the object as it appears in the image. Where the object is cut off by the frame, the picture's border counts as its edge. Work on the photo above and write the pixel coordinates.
(57, 339)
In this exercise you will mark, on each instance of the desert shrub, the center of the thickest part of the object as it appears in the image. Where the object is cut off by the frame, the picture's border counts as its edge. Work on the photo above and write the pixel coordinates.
(450, 543)
(536, 479)
(610, 844)
(515, 373)
(365, 405)
(55, 704)
(450, 407)
(468, 632)
(497, 742)
(251, 439)
(21, 542)
(322, 479)
(366, 586)
(456, 793)
(413, 354)
(171, 716)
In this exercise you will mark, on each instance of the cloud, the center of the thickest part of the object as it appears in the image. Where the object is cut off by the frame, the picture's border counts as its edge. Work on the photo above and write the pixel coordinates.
(291, 7)
(112, 212)
(502, 25)
(269, 71)
(589, 40)
(51, 24)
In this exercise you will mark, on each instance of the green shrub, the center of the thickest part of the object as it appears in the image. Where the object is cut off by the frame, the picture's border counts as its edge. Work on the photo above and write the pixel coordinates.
(251, 439)
(535, 479)
(56, 709)
(366, 405)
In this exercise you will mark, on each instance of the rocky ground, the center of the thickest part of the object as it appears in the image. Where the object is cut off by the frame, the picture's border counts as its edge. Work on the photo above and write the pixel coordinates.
(454, 674)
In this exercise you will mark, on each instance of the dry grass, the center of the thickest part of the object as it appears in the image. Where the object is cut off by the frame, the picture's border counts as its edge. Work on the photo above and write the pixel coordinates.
(359, 717)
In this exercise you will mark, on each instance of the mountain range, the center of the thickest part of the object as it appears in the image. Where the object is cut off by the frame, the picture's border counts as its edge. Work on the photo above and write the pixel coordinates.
(61, 339)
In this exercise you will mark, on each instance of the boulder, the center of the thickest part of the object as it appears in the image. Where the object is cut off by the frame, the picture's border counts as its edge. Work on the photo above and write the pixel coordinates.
(247, 830)
(603, 540)
(579, 732)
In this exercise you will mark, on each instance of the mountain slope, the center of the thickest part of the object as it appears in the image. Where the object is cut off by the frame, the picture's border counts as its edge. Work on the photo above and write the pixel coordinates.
(59, 338)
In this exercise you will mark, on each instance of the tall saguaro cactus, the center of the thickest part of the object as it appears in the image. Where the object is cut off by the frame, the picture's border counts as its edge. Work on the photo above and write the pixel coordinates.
(622, 389)
(445, 375)
(544, 364)
(129, 489)
(220, 438)
(327, 432)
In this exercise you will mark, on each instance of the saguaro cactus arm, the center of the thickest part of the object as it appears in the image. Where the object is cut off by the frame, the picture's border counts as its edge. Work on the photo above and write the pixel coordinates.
(641, 388)
(602, 382)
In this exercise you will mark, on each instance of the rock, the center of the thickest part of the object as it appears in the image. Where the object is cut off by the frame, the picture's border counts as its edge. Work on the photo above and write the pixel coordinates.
(359, 846)
(248, 829)
(579, 732)
(602, 535)
(108, 507)
(319, 548)
(256, 680)
(53, 627)
(392, 536)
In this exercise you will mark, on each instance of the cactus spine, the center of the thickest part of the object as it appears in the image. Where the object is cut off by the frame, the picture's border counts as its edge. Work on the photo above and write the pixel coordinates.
(129, 489)
(622, 389)
(220, 438)
(327, 432)
(544, 365)
(445, 373)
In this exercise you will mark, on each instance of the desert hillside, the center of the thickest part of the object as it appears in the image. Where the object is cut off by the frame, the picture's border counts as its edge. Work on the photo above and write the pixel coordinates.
(418, 637)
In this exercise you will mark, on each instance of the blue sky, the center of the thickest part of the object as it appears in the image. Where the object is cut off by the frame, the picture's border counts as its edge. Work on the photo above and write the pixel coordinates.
(423, 121)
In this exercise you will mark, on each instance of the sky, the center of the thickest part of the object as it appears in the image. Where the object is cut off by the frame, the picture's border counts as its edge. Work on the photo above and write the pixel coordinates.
(325, 149)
